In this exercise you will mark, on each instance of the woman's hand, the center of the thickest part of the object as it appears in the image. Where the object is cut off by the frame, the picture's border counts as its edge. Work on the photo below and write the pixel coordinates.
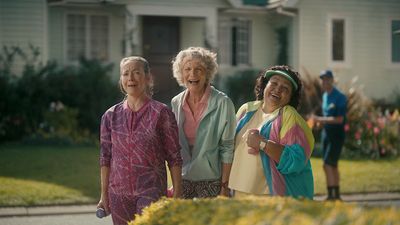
(253, 151)
(224, 189)
(104, 203)
(177, 192)
(253, 140)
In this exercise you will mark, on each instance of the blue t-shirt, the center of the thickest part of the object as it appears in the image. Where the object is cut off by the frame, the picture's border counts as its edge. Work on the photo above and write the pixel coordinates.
(334, 104)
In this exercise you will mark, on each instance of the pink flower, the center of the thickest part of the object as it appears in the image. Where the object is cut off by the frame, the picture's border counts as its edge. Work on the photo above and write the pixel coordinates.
(368, 124)
(346, 127)
(376, 130)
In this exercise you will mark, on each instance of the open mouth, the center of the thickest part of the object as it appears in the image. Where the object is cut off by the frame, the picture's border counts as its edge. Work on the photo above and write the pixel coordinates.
(275, 96)
(194, 81)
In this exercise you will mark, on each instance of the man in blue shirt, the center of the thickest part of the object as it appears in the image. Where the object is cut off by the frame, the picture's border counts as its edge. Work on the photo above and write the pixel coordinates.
(333, 134)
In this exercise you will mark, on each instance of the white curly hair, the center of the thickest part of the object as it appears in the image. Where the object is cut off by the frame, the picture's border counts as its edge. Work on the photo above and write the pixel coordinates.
(208, 59)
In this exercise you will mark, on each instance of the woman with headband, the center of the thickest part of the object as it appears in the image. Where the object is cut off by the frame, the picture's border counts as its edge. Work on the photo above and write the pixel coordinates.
(273, 143)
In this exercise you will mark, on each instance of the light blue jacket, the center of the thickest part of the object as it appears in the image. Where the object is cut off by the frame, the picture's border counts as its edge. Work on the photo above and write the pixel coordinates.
(214, 142)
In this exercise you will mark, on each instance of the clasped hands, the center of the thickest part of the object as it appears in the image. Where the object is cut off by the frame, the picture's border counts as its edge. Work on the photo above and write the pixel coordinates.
(253, 139)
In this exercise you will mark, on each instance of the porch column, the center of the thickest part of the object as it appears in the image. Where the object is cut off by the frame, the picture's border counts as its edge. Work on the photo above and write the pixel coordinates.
(131, 34)
(211, 32)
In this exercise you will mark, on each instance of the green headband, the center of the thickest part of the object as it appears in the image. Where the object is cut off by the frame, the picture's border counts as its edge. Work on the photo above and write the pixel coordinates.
(270, 73)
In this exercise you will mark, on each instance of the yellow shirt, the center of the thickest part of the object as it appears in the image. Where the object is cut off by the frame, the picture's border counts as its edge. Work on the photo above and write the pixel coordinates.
(247, 172)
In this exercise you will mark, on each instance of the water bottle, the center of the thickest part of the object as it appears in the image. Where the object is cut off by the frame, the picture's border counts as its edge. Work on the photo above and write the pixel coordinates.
(100, 213)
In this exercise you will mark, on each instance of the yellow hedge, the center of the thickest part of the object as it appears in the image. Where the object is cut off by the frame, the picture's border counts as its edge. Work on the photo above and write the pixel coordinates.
(263, 211)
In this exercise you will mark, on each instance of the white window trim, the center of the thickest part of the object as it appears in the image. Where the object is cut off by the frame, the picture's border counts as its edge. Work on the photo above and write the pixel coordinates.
(388, 51)
(249, 43)
(347, 63)
(87, 50)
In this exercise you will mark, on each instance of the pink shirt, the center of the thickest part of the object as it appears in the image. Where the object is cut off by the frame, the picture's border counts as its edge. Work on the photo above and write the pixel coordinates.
(192, 118)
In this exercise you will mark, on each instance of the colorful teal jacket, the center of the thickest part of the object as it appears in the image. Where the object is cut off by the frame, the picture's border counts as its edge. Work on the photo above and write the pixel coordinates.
(292, 175)
(214, 143)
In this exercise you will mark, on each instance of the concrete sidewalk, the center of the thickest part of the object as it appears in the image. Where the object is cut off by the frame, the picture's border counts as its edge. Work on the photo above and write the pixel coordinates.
(365, 197)
(371, 199)
(47, 210)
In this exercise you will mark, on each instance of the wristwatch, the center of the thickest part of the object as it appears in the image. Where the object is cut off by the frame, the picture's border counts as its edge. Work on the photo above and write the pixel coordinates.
(262, 145)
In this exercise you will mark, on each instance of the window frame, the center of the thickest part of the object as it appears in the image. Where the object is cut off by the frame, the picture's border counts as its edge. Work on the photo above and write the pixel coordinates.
(346, 63)
(390, 44)
(88, 35)
(226, 25)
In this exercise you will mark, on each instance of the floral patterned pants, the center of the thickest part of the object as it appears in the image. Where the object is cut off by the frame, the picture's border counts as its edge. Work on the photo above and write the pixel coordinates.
(200, 189)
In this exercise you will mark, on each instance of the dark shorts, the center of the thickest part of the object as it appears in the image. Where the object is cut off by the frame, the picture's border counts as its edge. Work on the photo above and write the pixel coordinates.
(332, 143)
(200, 189)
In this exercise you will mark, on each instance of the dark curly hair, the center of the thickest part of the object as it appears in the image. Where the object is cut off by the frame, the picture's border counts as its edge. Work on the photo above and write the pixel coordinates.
(261, 83)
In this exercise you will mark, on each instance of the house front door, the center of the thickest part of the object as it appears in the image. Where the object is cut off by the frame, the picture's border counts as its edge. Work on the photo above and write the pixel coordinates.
(160, 45)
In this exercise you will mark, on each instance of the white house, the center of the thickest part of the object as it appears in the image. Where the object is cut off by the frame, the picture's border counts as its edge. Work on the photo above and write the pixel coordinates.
(354, 38)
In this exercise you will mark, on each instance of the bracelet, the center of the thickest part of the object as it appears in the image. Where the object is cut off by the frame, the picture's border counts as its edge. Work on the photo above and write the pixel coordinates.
(224, 184)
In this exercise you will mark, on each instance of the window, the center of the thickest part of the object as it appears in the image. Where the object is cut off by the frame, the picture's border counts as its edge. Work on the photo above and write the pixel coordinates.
(395, 33)
(87, 36)
(76, 37)
(338, 40)
(234, 41)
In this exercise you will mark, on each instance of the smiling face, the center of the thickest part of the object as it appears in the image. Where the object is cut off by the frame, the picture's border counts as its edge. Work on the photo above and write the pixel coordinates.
(134, 80)
(277, 93)
(194, 75)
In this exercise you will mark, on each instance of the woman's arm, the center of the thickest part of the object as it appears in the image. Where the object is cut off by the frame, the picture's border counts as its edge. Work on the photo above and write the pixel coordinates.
(273, 150)
(226, 170)
(257, 142)
(170, 141)
(227, 145)
(104, 178)
(176, 175)
(329, 119)
(298, 140)
(105, 160)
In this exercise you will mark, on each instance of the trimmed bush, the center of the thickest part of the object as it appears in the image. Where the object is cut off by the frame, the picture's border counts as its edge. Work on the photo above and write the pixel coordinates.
(262, 210)
(239, 86)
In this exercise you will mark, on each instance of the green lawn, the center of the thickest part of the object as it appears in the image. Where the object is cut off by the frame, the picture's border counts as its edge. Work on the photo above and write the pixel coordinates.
(48, 175)
(69, 175)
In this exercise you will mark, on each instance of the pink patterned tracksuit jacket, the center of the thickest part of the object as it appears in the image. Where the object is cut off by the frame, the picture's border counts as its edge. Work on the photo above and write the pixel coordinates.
(135, 146)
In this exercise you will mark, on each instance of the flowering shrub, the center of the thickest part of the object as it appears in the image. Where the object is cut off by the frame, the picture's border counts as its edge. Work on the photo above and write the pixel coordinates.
(60, 126)
(262, 210)
(369, 131)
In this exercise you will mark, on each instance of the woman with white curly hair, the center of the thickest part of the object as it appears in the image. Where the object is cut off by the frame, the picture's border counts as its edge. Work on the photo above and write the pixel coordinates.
(206, 123)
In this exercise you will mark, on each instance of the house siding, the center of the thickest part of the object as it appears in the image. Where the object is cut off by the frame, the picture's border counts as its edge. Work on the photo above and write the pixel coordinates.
(192, 32)
(24, 23)
(263, 42)
(368, 43)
